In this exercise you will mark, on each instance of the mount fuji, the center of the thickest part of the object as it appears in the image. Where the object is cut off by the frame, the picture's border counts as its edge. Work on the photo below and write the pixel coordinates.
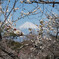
(25, 27)
(28, 25)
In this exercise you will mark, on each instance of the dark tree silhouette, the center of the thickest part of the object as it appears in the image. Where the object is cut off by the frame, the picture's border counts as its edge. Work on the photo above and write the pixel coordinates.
(0, 36)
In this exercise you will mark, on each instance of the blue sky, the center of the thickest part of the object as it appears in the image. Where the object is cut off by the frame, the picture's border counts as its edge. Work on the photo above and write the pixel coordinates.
(31, 18)
(35, 18)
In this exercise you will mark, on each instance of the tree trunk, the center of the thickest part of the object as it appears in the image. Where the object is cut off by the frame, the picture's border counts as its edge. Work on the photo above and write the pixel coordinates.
(57, 34)
(0, 36)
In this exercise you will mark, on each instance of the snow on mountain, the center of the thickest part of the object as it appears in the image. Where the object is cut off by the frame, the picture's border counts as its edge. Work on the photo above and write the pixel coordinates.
(28, 25)
(25, 27)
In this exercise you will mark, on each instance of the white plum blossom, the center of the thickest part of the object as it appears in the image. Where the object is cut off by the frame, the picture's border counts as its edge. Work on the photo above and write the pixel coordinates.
(7, 11)
(0, 7)
(41, 21)
(44, 37)
(18, 32)
(32, 41)
(0, 24)
(21, 1)
(22, 12)
(26, 44)
(47, 38)
(48, 31)
(0, 11)
(55, 31)
(50, 27)
(26, 13)
(16, 8)
(50, 17)
(34, 10)
(40, 46)
(32, 49)
(28, 1)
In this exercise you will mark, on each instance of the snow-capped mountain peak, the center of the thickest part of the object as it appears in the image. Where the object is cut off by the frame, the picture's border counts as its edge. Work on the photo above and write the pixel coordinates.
(28, 25)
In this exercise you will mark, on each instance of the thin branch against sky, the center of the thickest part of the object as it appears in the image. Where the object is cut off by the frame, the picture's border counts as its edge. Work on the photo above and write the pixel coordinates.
(29, 12)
